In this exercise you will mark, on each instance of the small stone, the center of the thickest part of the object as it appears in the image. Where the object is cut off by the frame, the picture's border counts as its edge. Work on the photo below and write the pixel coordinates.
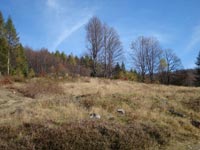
(95, 116)
(196, 123)
(121, 111)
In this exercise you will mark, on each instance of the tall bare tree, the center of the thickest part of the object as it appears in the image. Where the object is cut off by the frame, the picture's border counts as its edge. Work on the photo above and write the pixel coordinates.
(94, 39)
(112, 50)
(173, 63)
(138, 47)
(105, 49)
(153, 56)
(146, 56)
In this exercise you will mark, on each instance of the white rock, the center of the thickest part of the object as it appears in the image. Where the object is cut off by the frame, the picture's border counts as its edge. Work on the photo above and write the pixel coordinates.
(121, 111)
(95, 116)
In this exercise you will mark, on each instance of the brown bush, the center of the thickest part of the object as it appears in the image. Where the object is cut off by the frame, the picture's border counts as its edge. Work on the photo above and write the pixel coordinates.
(19, 79)
(6, 80)
(87, 135)
(87, 100)
(160, 134)
(87, 103)
(41, 87)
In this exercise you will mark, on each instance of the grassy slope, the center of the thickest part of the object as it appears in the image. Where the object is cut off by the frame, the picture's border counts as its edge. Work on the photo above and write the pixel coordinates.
(46, 114)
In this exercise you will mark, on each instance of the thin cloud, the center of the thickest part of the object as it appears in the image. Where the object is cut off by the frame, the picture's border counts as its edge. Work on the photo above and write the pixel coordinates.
(53, 4)
(162, 37)
(195, 38)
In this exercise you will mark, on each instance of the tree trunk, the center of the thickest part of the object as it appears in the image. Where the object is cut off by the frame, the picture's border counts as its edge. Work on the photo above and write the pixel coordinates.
(8, 63)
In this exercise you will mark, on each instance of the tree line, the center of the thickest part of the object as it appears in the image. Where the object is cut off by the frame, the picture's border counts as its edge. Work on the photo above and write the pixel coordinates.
(148, 58)
(104, 58)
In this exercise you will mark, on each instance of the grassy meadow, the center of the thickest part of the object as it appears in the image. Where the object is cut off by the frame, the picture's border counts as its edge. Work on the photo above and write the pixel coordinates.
(54, 114)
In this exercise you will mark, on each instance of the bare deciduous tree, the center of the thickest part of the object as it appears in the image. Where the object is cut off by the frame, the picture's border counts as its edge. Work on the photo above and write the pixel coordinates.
(94, 39)
(105, 49)
(112, 49)
(173, 63)
(153, 56)
(139, 56)
(146, 56)
(104, 46)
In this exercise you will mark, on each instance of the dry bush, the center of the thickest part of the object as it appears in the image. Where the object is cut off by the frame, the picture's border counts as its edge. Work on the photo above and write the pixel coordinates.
(161, 135)
(87, 100)
(108, 105)
(86, 135)
(41, 87)
(18, 79)
(6, 80)
(87, 103)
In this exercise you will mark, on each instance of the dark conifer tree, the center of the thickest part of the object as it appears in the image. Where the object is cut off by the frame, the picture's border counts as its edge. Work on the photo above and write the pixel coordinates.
(123, 68)
(3, 46)
(13, 42)
(197, 79)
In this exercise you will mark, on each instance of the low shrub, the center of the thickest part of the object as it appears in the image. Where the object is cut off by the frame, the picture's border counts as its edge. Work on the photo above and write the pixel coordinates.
(6, 80)
(86, 135)
(40, 87)
(87, 103)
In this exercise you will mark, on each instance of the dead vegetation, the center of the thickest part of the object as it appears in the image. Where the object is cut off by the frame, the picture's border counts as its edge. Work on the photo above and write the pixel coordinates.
(50, 114)
(5, 81)
(193, 104)
(85, 135)
(35, 88)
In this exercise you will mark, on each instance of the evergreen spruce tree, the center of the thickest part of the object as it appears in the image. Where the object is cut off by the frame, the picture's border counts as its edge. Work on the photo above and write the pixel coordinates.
(13, 43)
(3, 46)
(72, 60)
(21, 62)
(1, 25)
(123, 67)
(117, 70)
(63, 57)
(197, 79)
(3, 55)
(57, 53)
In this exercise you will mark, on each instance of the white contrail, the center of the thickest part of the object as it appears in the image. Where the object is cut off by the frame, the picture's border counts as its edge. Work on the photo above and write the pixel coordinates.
(60, 26)
(68, 32)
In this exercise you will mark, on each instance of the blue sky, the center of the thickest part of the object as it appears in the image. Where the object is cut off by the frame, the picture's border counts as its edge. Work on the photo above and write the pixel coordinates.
(60, 24)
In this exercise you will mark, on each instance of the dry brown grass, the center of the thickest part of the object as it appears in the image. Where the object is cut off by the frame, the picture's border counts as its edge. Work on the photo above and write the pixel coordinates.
(36, 88)
(52, 114)
(193, 104)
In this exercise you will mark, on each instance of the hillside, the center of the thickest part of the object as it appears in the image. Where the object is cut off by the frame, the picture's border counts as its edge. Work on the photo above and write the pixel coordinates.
(54, 114)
